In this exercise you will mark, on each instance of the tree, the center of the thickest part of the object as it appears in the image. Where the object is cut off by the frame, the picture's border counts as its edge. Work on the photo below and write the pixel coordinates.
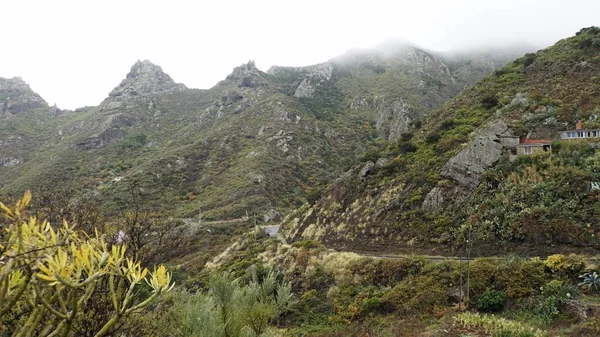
(149, 234)
(48, 275)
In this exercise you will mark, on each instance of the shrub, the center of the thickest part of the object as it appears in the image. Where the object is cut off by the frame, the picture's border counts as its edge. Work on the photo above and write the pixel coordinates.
(567, 265)
(433, 137)
(308, 244)
(489, 101)
(491, 301)
(528, 59)
(50, 277)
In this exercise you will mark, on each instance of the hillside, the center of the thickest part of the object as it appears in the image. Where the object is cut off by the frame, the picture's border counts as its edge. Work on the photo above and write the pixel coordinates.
(256, 143)
(453, 177)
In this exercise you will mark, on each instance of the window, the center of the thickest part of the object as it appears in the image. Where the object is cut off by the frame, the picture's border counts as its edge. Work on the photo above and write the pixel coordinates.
(528, 150)
(570, 134)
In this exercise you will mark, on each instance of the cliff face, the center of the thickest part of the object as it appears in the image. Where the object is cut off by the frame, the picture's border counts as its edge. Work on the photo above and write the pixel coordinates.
(16, 97)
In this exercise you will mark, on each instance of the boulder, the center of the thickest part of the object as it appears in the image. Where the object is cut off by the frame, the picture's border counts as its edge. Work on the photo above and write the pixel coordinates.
(366, 169)
(433, 200)
(469, 164)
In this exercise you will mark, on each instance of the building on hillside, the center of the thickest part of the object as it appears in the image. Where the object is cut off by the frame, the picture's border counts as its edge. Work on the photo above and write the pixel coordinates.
(531, 146)
(579, 133)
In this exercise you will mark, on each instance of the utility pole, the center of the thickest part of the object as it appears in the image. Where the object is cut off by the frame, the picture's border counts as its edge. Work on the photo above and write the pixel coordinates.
(460, 289)
(469, 246)
(199, 213)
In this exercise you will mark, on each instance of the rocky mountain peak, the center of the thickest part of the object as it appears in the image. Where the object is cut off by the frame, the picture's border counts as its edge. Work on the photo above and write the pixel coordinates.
(247, 75)
(16, 96)
(145, 79)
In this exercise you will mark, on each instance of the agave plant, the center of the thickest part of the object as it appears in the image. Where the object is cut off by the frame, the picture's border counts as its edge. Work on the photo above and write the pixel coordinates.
(591, 280)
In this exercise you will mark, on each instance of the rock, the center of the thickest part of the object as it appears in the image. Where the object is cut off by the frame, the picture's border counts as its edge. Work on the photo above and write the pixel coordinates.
(576, 309)
(433, 200)
(392, 120)
(381, 162)
(484, 151)
(282, 140)
(145, 79)
(16, 96)
(271, 215)
(10, 161)
(457, 294)
(316, 76)
(259, 179)
(247, 75)
(105, 137)
(366, 169)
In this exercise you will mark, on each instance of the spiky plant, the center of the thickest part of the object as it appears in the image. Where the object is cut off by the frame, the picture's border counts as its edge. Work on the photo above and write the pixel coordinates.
(590, 280)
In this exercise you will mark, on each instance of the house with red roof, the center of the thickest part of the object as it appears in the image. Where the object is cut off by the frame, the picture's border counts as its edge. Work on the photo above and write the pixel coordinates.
(531, 146)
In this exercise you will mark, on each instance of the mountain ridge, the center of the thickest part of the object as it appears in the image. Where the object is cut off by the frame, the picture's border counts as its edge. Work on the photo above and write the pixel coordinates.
(257, 142)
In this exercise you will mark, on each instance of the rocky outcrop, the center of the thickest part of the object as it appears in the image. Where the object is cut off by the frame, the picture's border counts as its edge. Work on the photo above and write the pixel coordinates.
(10, 161)
(247, 75)
(393, 119)
(282, 140)
(366, 169)
(144, 81)
(433, 200)
(271, 215)
(16, 97)
(110, 131)
(315, 76)
(469, 164)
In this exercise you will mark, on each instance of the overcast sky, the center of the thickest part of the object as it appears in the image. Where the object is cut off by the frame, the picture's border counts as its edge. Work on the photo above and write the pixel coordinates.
(74, 52)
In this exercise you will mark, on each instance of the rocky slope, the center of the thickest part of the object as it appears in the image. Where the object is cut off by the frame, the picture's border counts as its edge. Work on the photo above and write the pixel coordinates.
(256, 143)
(453, 178)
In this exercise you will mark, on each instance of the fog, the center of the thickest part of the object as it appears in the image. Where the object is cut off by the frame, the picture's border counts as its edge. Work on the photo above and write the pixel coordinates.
(74, 52)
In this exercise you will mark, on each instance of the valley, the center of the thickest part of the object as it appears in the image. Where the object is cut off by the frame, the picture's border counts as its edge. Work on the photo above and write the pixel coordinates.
(390, 191)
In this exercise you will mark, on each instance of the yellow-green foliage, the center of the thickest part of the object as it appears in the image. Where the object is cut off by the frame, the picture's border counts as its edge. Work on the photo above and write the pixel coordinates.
(498, 326)
(49, 275)
(507, 275)
(568, 265)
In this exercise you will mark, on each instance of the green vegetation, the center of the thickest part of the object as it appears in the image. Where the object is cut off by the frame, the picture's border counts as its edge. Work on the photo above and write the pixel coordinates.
(491, 301)
(546, 201)
(52, 279)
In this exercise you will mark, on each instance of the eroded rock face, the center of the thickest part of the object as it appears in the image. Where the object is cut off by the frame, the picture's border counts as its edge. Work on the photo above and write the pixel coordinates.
(366, 169)
(110, 131)
(144, 79)
(393, 119)
(485, 150)
(247, 75)
(16, 96)
(433, 200)
(316, 75)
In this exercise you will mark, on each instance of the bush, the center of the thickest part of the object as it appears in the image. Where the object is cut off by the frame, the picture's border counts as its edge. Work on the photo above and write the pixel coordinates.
(491, 301)
(567, 265)
(53, 279)
(308, 244)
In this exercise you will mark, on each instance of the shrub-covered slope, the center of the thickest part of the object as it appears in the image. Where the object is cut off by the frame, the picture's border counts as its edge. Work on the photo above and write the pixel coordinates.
(255, 142)
(452, 177)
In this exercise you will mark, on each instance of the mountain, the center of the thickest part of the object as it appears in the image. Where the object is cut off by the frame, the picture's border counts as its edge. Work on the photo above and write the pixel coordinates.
(459, 178)
(256, 143)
